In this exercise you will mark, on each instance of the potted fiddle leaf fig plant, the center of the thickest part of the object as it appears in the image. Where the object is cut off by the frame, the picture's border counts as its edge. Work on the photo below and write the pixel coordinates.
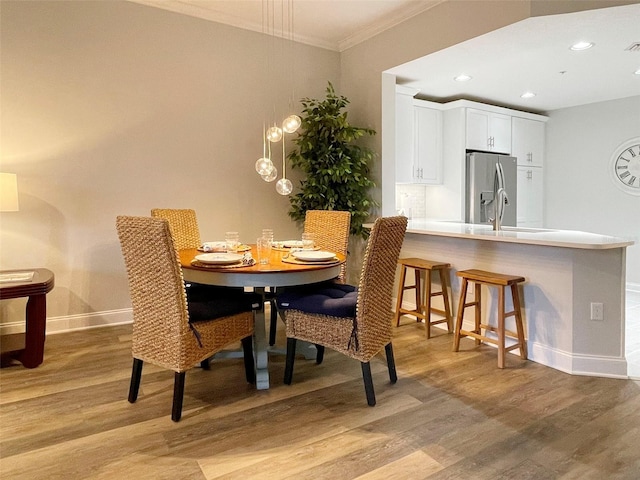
(336, 168)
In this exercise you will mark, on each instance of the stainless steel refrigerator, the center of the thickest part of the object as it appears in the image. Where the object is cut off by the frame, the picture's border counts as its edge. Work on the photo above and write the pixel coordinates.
(486, 174)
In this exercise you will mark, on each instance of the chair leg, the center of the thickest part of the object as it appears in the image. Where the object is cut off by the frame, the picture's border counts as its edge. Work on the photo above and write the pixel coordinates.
(391, 363)
(178, 395)
(274, 322)
(419, 305)
(403, 272)
(204, 364)
(136, 374)
(444, 282)
(320, 354)
(427, 302)
(249, 362)
(368, 383)
(460, 316)
(291, 355)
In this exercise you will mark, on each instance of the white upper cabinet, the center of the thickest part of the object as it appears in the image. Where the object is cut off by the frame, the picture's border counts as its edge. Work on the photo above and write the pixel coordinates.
(418, 141)
(404, 138)
(528, 141)
(428, 144)
(488, 131)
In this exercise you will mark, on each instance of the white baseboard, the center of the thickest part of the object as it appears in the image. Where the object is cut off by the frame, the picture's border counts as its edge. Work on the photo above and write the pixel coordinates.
(76, 322)
(574, 364)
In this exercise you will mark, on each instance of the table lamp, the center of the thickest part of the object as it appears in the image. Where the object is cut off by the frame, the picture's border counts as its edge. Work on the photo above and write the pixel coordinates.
(8, 192)
(9, 203)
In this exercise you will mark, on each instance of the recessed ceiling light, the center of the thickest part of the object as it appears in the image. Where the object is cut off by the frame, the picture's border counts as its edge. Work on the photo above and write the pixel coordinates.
(462, 78)
(582, 46)
(528, 95)
(637, 72)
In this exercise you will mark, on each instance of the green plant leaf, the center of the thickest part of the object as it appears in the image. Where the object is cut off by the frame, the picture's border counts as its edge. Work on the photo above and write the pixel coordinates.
(336, 168)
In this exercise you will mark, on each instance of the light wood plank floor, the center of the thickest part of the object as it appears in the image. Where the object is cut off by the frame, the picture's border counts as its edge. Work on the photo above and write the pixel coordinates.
(450, 416)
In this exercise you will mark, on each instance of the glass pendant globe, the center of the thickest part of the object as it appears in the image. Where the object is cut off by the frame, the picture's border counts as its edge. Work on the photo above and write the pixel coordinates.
(264, 166)
(284, 186)
(274, 134)
(270, 177)
(291, 123)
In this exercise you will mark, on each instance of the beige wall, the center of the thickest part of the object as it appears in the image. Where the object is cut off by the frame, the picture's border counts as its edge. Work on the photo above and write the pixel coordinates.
(113, 108)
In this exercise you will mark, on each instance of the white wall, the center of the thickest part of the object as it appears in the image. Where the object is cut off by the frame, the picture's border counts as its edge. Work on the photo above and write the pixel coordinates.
(579, 193)
(113, 108)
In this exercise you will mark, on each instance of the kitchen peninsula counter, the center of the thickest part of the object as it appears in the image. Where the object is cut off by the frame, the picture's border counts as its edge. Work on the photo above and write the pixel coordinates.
(566, 271)
(529, 236)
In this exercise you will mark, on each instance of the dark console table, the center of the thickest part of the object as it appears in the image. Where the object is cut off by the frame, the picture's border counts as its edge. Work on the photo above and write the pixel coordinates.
(13, 286)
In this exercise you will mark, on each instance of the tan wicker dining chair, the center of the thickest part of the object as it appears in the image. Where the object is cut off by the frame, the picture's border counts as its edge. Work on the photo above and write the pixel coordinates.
(330, 229)
(183, 225)
(363, 326)
(167, 330)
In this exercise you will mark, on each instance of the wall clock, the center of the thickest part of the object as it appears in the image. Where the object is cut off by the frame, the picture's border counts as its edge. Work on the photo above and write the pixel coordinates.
(625, 166)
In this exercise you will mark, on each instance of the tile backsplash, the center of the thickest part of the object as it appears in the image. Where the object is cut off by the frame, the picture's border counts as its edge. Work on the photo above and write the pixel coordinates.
(411, 200)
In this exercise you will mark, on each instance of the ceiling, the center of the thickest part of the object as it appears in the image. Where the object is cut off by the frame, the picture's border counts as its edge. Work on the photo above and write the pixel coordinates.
(532, 55)
(331, 24)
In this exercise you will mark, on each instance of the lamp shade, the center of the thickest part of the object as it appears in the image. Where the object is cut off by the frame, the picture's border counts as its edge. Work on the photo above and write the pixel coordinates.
(8, 192)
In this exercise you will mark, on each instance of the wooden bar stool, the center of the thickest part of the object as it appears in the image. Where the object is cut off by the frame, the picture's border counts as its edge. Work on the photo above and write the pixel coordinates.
(480, 277)
(423, 304)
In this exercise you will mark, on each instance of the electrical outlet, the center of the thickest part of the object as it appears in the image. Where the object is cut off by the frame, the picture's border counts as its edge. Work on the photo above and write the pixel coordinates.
(597, 311)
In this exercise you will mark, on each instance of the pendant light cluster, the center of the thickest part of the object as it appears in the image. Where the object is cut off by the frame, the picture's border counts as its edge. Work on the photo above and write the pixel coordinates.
(274, 134)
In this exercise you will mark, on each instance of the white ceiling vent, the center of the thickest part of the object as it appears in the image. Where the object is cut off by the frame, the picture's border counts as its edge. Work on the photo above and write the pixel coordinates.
(634, 47)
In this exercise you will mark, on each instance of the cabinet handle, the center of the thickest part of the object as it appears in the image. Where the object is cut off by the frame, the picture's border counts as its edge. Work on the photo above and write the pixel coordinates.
(529, 174)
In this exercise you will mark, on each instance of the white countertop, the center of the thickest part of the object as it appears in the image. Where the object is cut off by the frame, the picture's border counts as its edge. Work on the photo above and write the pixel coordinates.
(529, 236)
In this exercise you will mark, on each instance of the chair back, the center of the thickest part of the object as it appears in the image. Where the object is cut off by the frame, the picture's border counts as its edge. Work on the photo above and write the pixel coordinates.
(375, 290)
(160, 317)
(183, 225)
(331, 231)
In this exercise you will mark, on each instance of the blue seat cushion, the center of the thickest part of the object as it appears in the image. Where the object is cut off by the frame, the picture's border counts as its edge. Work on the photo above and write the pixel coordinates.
(216, 302)
(333, 299)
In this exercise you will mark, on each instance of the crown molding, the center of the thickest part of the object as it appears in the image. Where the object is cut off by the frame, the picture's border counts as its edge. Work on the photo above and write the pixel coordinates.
(387, 21)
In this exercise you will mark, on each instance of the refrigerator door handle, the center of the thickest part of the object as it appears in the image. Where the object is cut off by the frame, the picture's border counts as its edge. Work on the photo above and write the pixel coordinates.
(500, 192)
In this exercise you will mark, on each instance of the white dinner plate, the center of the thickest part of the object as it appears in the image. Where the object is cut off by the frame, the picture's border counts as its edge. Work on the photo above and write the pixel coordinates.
(314, 255)
(219, 258)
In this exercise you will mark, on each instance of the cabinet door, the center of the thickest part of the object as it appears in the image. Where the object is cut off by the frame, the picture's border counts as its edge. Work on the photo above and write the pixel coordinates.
(488, 131)
(404, 139)
(428, 145)
(478, 130)
(500, 133)
(530, 197)
(528, 141)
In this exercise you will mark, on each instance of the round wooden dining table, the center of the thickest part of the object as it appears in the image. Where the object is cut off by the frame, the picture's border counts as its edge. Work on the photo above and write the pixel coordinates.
(277, 273)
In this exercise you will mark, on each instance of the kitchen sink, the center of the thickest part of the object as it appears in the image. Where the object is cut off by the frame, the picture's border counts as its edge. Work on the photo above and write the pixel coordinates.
(526, 230)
